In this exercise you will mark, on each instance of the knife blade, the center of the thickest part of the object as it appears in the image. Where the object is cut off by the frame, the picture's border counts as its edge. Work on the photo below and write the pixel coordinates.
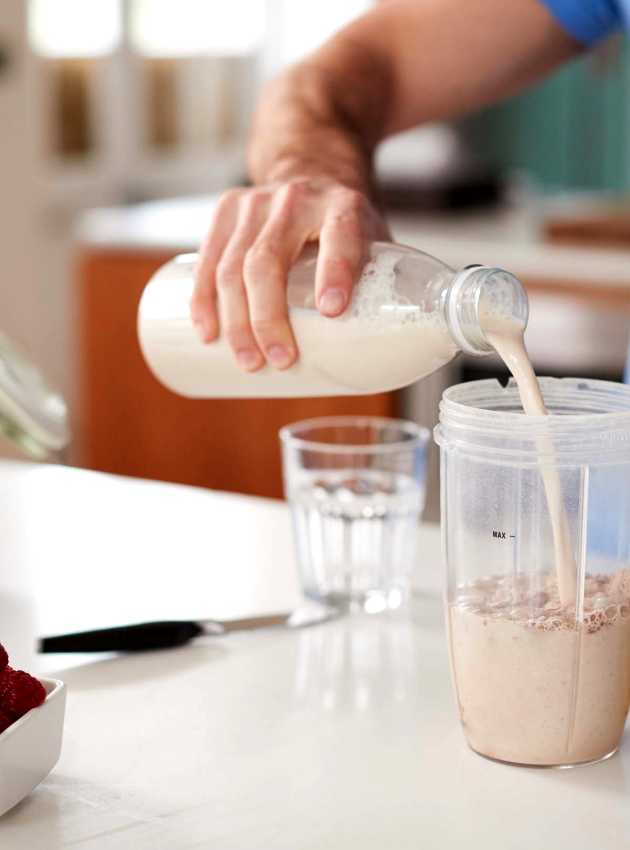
(164, 634)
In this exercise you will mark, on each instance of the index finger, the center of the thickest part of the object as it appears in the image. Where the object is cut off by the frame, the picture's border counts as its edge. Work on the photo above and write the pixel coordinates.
(203, 309)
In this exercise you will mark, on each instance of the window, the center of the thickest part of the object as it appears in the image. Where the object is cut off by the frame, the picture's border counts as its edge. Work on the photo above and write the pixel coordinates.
(305, 25)
(74, 28)
(184, 87)
(196, 27)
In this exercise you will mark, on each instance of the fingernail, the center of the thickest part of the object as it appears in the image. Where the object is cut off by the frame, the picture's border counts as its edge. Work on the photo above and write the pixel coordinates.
(279, 355)
(248, 358)
(332, 301)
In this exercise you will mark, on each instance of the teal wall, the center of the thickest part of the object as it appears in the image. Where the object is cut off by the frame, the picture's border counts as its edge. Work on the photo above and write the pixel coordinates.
(573, 131)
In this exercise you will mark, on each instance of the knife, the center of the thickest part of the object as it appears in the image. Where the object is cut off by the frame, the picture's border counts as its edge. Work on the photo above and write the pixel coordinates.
(164, 634)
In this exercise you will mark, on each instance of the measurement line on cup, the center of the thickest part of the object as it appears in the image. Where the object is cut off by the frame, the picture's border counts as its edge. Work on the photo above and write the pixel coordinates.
(502, 535)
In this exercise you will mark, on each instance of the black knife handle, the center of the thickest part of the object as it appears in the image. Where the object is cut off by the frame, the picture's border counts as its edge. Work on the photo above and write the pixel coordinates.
(135, 638)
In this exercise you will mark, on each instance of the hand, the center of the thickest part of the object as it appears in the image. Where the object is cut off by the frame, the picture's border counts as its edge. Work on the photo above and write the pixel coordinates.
(256, 236)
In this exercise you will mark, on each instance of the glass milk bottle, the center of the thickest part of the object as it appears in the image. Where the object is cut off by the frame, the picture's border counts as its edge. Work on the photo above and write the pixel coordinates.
(409, 315)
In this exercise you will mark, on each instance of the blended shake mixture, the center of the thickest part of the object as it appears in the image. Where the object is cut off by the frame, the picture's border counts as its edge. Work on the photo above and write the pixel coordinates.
(542, 677)
(533, 686)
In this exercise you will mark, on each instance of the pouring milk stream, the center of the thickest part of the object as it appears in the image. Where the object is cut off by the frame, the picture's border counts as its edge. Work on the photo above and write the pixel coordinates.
(409, 315)
(508, 340)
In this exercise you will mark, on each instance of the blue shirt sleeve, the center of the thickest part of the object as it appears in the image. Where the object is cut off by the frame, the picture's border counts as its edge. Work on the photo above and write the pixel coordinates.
(588, 21)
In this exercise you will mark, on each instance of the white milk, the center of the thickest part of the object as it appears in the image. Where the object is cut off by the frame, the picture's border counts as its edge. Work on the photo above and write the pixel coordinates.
(382, 342)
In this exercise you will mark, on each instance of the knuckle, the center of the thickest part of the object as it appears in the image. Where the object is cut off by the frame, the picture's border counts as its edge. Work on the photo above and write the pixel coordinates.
(254, 201)
(228, 276)
(227, 205)
(299, 186)
(293, 193)
(232, 196)
(201, 303)
(227, 201)
(348, 221)
(354, 202)
(261, 258)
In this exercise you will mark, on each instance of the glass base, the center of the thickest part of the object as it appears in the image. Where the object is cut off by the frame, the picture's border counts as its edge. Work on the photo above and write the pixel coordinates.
(368, 602)
(546, 766)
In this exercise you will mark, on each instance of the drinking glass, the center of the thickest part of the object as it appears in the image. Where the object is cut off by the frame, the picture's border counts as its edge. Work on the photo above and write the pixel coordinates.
(356, 489)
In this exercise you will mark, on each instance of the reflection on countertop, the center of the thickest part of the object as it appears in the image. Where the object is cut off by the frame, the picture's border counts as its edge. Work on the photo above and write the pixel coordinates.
(367, 662)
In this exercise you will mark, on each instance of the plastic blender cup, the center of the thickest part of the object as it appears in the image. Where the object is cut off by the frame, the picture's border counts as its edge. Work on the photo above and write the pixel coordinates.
(540, 680)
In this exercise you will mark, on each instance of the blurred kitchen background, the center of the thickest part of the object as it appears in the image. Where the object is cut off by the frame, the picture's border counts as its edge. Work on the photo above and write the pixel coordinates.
(122, 118)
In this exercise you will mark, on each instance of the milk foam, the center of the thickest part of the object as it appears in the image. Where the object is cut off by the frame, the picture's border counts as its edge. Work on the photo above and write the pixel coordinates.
(376, 298)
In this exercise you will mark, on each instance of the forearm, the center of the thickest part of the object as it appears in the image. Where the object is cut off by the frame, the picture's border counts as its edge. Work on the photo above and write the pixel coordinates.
(321, 118)
(404, 63)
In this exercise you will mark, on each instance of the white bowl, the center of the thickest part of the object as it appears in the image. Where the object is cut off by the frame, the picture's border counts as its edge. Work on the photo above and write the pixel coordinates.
(30, 748)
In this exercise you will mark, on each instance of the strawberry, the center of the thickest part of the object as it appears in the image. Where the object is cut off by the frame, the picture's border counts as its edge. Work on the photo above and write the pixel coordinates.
(5, 721)
(19, 692)
(4, 659)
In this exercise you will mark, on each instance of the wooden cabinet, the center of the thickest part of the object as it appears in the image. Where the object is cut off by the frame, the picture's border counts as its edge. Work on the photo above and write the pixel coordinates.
(129, 424)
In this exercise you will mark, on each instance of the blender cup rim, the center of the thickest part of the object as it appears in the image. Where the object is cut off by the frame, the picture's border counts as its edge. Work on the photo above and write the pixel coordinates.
(472, 419)
(459, 399)
(418, 436)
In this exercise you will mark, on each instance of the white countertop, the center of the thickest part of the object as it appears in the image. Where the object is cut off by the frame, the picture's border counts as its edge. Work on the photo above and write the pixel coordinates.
(508, 237)
(343, 736)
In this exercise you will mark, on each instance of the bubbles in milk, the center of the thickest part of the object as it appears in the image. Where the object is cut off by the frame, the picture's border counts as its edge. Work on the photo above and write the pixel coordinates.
(376, 288)
(377, 300)
(533, 600)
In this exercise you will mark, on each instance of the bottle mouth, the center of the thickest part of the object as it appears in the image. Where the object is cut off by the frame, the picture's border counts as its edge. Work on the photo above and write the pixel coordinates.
(477, 295)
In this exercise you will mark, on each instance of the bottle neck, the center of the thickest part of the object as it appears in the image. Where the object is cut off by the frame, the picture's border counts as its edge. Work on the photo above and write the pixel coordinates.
(478, 292)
